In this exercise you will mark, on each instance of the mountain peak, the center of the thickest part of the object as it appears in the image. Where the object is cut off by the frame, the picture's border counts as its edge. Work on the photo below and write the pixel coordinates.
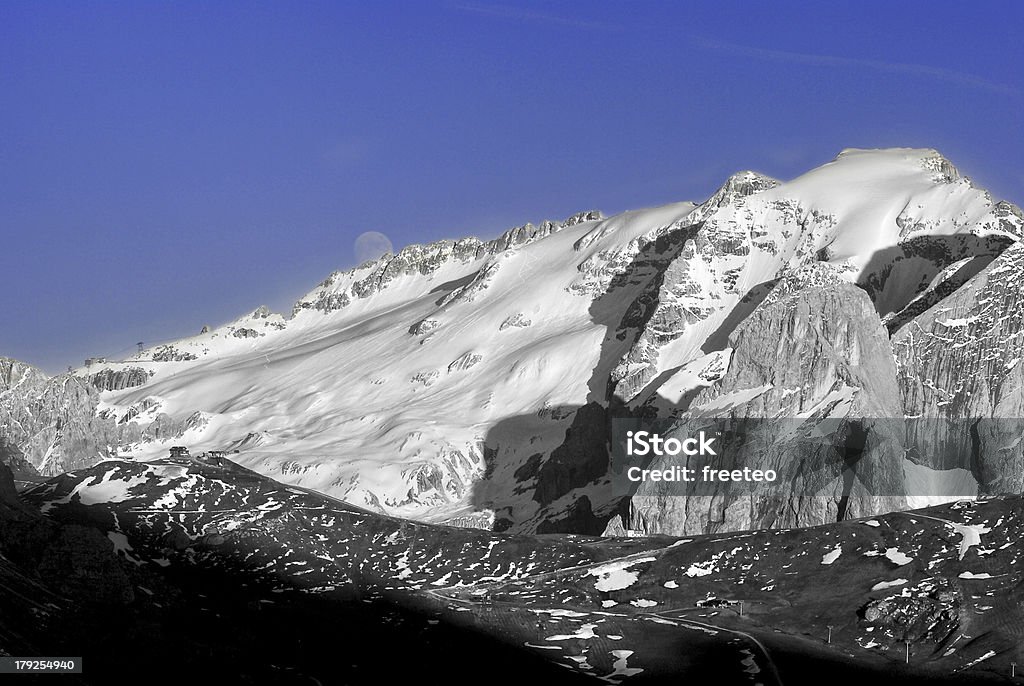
(741, 185)
(928, 159)
(748, 182)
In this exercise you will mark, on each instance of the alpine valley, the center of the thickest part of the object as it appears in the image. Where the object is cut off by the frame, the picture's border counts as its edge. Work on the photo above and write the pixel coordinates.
(418, 458)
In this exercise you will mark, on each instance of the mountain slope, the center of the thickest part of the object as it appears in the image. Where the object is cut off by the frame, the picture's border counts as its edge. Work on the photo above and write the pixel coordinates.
(475, 382)
(946, 582)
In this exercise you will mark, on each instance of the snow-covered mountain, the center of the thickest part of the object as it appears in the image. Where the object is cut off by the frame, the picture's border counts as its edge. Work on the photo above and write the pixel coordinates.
(473, 382)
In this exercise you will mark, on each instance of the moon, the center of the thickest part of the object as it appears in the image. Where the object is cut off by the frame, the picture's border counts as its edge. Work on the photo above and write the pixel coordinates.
(372, 244)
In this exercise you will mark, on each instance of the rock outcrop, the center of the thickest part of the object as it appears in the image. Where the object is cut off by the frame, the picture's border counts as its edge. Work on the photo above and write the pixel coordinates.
(52, 421)
(14, 459)
(815, 350)
(119, 379)
(960, 373)
(339, 289)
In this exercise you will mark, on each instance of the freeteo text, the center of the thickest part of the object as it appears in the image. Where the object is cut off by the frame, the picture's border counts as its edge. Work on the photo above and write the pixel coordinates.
(688, 474)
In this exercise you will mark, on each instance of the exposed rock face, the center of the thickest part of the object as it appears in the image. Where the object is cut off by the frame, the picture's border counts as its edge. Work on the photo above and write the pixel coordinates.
(11, 456)
(580, 217)
(119, 379)
(937, 265)
(655, 316)
(804, 349)
(961, 357)
(754, 230)
(327, 302)
(733, 248)
(517, 320)
(424, 326)
(935, 275)
(738, 186)
(9, 501)
(480, 282)
(52, 421)
(961, 360)
(339, 289)
(947, 391)
(815, 351)
(929, 612)
(464, 362)
(21, 377)
(168, 353)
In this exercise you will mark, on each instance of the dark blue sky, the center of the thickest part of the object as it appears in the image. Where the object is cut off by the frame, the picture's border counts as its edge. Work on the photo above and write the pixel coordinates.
(164, 166)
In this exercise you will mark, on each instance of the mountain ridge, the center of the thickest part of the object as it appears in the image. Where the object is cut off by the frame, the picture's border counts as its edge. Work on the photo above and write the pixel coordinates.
(474, 381)
(939, 585)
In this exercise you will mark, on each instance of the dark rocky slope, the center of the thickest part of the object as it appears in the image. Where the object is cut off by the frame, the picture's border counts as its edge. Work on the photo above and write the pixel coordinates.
(256, 582)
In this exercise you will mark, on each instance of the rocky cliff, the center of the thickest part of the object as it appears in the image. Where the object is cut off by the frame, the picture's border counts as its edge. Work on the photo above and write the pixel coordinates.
(120, 379)
(959, 371)
(935, 410)
(52, 421)
(815, 349)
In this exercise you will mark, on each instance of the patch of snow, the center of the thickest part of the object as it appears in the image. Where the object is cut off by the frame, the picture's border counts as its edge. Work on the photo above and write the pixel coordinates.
(704, 568)
(121, 545)
(972, 575)
(615, 576)
(971, 536)
(585, 631)
(620, 667)
(830, 557)
(955, 323)
(561, 612)
(897, 558)
(984, 657)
